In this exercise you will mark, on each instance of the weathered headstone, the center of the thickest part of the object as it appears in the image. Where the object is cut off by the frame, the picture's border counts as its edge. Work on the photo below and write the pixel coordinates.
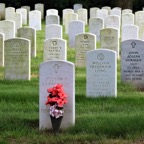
(53, 31)
(23, 12)
(52, 12)
(27, 9)
(102, 13)
(101, 73)
(84, 43)
(95, 25)
(51, 73)
(132, 62)
(75, 27)
(30, 34)
(64, 12)
(113, 21)
(68, 18)
(141, 30)
(139, 17)
(116, 12)
(127, 19)
(40, 7)
(76, 7)
(17, 59)
(52, 19)
(126, 11)
(55, 49)
(107, 8)
(7, 27)
(2, 11)
(8, 12)
(82, 15)
(35, 19)
(93, 12)
(130, 32)
(1, 49)
(17, 18)
(109, 39)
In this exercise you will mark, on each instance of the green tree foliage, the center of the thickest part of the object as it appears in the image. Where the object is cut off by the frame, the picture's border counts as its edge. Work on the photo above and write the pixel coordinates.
(61, 4)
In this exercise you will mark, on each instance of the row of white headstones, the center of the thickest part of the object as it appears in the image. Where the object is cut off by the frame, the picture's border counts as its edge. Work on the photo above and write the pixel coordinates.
(101, 65)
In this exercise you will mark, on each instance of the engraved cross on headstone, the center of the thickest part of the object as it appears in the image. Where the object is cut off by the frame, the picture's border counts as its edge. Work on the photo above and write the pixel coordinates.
(133, 44)
(56, 67)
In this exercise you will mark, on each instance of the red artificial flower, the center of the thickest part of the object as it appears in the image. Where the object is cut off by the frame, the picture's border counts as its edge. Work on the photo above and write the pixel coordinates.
(56, 96)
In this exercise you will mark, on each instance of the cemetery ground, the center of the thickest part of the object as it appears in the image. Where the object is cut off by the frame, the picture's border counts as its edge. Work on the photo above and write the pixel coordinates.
(98, 120)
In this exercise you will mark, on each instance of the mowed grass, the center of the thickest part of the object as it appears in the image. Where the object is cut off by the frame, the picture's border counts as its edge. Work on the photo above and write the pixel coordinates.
(98, 120)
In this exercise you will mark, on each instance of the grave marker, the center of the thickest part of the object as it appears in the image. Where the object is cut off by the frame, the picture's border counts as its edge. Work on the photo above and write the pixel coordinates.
(30, 34)
(75, 27)
(101, 73)
(130, 32)
(95, 25)
(52, 19)
(17, 59)
(109, 39)
(53, 31)
(55, 49)
(35, 19)
(84, 43)
(7, 27)
(51, 73)
(132, 62)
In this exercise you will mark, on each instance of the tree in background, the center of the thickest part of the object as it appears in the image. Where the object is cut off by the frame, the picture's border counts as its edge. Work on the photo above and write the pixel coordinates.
(124, 4)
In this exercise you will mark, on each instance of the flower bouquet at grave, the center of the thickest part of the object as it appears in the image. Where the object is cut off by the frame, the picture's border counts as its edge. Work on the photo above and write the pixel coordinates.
(56, 99)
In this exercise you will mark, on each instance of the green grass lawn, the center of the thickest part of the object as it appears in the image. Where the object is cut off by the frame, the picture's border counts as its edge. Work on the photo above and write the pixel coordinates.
(101, 120)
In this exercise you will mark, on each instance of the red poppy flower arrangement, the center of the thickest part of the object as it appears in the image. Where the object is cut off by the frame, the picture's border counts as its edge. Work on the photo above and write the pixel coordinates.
(56, 99)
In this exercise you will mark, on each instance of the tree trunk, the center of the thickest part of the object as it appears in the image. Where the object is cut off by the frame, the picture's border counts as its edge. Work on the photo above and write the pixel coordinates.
(124, 4)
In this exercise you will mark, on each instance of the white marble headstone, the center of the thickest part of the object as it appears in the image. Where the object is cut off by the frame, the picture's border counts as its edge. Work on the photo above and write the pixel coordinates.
(107, 8)
(17, 59)
(127, 19)
(109, 39)
(55, 49)
(82, 15)
(139, 17)
(101, 73)
(116, 12)
(141, 30)
(130, 32)
(7, 27)
(93, 12)
(126, 11)
(84, 43)
(76, 7)
(23, 12)
(132, 62)
(68, 18)
(27, 8)
(53, 31)
(102, 13)
(64, 12)
(8, 12)
(51, 73)
(52, 19)
(30, 34)
(95, 25)
(52, 12)
(75, 27)
(40, 7)
(35, 19)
